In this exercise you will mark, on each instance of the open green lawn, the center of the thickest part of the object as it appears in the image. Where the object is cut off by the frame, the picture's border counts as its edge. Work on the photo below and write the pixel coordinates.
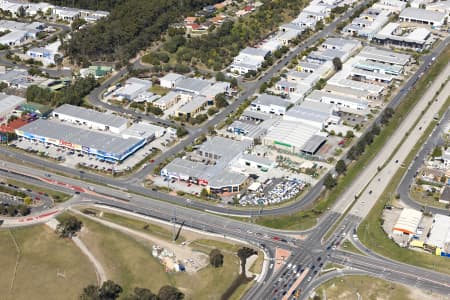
(140, 225)
(348, 246)
(125, 260)
(43, 254)
(56, 195)
(368, 287)
(297, 221)
(135, 266)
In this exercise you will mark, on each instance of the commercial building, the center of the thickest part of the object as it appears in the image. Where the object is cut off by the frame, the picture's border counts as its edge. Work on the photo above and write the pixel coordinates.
(338, 100)
(216, 175)
(407, 222)
(393, 35)
(350, 47)
(90, 118)
(297, 84)
(439, 236)
(42, 54)
(378, 67)
(141, 130)
(257, 162)
(8, 103)
(106, 146)
(66, 13)
(170, 99)
(201, 87)
(246, 130)
(422, 16)
(132, 88)
(249, 59)
(368, 23)
(169, 80)
(313, 113)
(384, 56)
(270, 104)
(294, 137)
(392, 6)
(192, 108)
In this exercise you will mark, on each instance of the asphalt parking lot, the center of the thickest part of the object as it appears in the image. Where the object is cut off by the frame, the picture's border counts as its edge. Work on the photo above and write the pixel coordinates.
(76, 158)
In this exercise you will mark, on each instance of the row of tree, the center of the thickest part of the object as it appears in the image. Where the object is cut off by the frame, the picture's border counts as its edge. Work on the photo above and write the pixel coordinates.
(14, 210)
(110, 290)
(355, 151)
(72, 94)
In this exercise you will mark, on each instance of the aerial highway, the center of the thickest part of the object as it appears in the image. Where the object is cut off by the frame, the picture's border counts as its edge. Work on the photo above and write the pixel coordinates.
(133, 183)
(310, 253)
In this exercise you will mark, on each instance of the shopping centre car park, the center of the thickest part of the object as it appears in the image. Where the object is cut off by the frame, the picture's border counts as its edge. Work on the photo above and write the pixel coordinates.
(95, 140)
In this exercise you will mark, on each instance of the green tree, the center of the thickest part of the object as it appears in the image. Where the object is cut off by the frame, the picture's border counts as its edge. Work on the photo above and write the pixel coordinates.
(181, 131)
(168, 292)
(437, 152)
(77, 23)
(90, 293)
(58, 60)
(337, 63)
(204, 193)
(220, 100)
(69, 226)
(27, 200)
(329, 182)
(349, 134)
(109, 290)
(341, 167)
(216, 258)
(220, 76)
(23, 210)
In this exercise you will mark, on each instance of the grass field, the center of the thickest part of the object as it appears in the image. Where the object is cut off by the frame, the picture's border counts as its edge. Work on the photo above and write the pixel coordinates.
(347, 287)
(135, 266)
(141, 225)
(125, 260)
(348, 246)
(43, 254)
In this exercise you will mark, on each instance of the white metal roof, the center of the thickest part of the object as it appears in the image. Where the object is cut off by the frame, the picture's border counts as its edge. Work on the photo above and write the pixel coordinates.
(408, 221)
(90, 115)
(440, 232)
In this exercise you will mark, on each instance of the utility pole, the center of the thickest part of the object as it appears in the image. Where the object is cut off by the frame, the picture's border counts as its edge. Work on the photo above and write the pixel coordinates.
(174, 220)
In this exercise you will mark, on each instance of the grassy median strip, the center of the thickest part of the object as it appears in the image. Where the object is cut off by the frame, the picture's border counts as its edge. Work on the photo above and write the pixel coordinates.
(57, 196)
(306, 219)
(372, 234)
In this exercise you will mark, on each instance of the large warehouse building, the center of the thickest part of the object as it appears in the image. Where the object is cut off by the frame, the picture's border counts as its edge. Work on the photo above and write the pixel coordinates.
(106, 146)
(295, 137)
(408, 222)
(90, 118)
